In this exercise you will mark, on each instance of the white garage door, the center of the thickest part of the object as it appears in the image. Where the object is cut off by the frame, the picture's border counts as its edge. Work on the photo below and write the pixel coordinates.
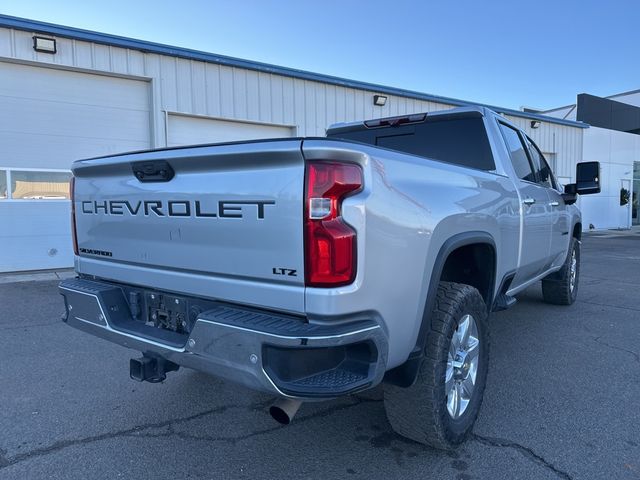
(48, 118)
(186, 130)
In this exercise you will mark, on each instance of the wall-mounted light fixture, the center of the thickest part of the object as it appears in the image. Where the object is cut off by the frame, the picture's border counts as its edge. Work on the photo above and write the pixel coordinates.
(43, 44)
(535, 123)
(379, 100)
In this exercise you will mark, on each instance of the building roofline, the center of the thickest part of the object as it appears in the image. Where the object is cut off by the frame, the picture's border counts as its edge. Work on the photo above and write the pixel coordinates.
(630, 92)
(37, 26)
(558, 108)
(608, 97)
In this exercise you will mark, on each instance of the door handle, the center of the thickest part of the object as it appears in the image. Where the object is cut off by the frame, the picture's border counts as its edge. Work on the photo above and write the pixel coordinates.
(529, 201)
(554, 204)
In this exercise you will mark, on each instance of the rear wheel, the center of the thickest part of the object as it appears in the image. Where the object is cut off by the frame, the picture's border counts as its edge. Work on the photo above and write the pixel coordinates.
(561, 287)
(441, 407)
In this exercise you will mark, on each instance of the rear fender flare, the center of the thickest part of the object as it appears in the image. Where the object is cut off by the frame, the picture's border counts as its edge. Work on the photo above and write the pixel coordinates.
(405, 375)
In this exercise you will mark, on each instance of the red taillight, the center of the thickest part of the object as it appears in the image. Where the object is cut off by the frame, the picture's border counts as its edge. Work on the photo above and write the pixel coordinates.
(74, 235)
(330, 250)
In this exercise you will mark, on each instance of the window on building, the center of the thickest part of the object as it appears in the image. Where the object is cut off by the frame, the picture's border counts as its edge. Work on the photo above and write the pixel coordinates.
(29, 185)
(518, 154)
(3, 185)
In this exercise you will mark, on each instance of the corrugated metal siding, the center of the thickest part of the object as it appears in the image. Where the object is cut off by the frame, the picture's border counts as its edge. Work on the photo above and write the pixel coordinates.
(195, 87)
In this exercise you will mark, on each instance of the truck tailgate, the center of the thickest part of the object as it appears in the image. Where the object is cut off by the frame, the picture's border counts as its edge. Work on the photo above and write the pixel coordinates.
(227, 224)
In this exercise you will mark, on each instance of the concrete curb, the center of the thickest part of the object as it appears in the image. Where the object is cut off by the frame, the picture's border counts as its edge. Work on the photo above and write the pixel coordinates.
(632, 232)
(36, 276)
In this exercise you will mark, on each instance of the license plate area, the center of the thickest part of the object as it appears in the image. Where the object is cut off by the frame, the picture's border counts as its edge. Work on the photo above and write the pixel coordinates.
(161, 314)
(168, 312)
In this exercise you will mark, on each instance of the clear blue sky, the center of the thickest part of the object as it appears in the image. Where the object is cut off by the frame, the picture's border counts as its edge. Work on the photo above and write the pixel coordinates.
(538, 53)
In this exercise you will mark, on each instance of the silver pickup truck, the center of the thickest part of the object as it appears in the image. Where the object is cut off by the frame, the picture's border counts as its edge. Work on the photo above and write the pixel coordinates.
(312, 268)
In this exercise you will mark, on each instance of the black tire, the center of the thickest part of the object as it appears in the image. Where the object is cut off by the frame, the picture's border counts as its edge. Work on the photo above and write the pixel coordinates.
(420, 411)
(557, 288)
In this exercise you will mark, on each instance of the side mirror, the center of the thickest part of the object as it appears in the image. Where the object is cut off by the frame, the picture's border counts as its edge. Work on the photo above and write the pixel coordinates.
(588, 182)
(588, 178)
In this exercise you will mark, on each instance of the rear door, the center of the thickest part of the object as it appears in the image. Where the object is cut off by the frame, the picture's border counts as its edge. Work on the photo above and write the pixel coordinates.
(536, 221)
(560, 219)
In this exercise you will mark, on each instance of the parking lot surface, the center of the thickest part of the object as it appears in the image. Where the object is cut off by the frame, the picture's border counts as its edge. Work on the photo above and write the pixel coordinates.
(562, 400)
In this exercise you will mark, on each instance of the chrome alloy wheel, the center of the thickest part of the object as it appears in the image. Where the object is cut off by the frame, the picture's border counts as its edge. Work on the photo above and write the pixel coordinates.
(462, 366)
(573, 270)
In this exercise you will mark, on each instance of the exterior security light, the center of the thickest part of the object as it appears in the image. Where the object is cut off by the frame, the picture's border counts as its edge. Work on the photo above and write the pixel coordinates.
(535, 123)
(46, 45)
(379, 100)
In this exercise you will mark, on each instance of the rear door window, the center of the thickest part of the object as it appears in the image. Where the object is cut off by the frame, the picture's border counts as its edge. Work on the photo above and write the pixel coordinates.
(543, 171)
(518, 153)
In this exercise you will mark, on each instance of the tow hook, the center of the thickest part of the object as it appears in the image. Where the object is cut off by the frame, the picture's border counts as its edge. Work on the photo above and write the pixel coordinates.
(150, 368)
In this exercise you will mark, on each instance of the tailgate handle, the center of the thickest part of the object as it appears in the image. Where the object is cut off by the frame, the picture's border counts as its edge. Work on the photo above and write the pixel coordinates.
(153, 171)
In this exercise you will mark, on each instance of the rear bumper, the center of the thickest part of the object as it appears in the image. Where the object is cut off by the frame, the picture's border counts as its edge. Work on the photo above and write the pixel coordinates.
(276, 353)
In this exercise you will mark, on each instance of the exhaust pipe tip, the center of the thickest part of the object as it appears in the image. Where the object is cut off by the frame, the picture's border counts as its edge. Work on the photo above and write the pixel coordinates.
(284, 409)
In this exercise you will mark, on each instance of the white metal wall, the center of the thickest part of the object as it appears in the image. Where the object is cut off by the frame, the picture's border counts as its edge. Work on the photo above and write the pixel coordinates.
(616, 152)
(50, 117)
(194, 129)
(199, 88)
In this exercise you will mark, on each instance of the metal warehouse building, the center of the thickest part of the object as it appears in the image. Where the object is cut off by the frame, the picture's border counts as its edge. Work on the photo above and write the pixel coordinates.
(67, 94)
(613, 139)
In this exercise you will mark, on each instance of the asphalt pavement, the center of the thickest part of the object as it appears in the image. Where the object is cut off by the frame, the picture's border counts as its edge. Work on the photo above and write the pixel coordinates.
(562, 400)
